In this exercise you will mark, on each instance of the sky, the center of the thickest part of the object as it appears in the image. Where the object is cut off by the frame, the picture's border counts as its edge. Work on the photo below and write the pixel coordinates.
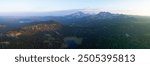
(137, 7)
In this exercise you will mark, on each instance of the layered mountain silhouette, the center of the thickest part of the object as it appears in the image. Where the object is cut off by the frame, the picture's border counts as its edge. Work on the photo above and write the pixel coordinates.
(103, 30)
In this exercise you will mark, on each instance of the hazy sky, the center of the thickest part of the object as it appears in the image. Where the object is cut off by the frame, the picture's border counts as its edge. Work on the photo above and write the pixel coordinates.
(140, 7)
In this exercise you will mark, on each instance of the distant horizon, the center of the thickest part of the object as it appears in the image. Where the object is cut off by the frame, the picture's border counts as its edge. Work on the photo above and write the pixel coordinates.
(67, 12)
(131, 7)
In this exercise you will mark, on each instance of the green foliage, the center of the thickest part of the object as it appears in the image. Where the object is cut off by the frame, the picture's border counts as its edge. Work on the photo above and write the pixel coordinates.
(119, 32)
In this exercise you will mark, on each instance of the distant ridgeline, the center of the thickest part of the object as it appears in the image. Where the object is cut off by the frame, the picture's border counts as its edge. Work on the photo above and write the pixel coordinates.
(78, 30)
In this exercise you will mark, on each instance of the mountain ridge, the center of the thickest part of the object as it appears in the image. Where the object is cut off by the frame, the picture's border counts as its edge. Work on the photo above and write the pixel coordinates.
(57, 13)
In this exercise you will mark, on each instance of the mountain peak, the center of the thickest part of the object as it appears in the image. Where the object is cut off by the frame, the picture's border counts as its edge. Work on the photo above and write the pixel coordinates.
(104, 13)
(78, 14)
